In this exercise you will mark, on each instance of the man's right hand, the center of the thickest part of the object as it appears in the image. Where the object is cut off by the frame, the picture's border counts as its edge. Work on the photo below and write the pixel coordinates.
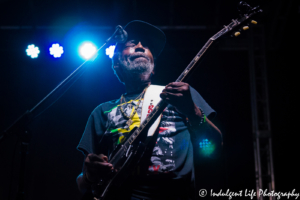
(96, 167)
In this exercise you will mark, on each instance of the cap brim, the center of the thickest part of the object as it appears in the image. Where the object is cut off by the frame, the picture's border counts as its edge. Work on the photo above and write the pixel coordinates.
(144, 31)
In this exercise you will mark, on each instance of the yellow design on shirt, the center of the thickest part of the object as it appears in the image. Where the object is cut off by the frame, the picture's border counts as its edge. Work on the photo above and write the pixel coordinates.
(136, 121)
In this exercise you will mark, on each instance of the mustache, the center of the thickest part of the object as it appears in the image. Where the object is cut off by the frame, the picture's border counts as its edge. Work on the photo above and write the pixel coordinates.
(137, 55)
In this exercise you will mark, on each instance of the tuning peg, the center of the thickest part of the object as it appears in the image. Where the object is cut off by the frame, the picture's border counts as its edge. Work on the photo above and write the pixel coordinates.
(237, 34)
(243, 7)
(245, 28)
(253, 22)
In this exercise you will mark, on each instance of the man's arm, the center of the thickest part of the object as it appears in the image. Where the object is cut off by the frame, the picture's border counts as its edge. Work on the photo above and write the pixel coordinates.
(202, 128)
(179, 95)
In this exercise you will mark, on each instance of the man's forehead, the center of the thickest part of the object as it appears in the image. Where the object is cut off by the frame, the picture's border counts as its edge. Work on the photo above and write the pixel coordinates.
(145, 42)
(150, 36)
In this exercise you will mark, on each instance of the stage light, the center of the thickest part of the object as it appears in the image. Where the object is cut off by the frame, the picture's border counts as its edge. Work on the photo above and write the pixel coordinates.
(87, 50)
(206, 147)
(32, 51)
(110, 51)
(56, 51)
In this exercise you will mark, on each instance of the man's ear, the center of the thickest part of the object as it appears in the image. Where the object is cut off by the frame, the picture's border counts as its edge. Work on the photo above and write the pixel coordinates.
(153, 72)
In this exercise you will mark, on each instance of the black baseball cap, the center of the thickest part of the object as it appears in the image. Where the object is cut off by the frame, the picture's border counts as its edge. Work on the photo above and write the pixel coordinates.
(147, 33)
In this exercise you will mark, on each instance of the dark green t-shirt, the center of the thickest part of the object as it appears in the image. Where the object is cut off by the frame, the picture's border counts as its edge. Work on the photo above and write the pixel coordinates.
(173, 152)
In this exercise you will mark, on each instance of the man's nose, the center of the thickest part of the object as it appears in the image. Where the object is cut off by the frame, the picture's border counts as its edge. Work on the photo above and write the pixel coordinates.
(139, 47)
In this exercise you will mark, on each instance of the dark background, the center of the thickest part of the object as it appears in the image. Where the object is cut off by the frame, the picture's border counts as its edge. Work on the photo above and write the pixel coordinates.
(53, 162)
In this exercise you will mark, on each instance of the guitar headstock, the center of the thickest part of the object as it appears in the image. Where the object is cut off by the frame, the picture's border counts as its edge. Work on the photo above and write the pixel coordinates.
(241, 23)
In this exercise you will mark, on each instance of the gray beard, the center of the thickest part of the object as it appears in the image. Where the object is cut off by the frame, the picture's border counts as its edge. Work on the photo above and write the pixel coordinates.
(137, 66)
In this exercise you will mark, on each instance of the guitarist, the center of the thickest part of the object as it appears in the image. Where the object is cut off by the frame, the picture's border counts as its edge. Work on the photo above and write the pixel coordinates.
(171, 172)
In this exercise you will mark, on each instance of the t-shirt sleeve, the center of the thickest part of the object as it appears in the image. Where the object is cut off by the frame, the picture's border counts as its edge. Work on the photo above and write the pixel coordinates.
(93, 132)
(200, 102)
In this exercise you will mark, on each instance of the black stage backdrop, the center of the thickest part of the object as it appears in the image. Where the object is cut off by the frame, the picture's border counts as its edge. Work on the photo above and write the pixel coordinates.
(53, 162)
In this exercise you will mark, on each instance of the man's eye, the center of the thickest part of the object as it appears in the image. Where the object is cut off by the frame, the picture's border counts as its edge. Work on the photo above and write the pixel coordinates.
(130, 44)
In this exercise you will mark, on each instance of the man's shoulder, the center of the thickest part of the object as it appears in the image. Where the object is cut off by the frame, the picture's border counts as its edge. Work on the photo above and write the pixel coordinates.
(201, 103)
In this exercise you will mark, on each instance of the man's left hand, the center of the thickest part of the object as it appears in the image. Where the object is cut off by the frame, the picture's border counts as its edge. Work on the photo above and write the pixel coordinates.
(178, 94)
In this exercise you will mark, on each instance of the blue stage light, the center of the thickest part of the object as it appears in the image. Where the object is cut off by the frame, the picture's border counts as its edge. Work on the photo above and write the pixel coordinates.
(87, 50)
(206, 147)
(56, 51)
(32, 51)
(110, 51)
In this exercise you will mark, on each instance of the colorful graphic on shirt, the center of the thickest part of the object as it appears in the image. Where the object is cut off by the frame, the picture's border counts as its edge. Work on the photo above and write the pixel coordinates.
(162, 157)
(117, 122)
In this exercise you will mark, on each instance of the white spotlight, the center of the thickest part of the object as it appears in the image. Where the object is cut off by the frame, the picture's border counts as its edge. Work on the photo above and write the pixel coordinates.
(32, 51)
(56, 51)
(110, 51)
(87, 50)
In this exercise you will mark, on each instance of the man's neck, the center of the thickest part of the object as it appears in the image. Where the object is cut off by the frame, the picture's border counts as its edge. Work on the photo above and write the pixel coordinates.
(136, 84)
(134, 87)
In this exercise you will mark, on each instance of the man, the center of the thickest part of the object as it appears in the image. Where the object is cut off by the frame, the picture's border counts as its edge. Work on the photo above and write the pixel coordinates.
(171, 173)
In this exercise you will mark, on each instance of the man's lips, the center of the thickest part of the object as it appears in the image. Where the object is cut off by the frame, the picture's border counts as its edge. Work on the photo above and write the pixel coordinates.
(141, 57)
(138, 57)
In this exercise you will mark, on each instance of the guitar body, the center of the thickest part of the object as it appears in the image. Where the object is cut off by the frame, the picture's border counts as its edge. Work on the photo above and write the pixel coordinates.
(110, 185)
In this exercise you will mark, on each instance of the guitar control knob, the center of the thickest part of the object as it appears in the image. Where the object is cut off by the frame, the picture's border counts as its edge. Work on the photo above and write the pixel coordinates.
(245, 28)
(253, 22)
(237, 34)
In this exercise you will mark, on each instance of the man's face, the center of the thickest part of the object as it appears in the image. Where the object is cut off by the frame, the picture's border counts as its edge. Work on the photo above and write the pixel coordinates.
(136, 58)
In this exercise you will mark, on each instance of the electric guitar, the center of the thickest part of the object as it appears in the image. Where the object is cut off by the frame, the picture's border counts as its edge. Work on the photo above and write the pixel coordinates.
(127, 155)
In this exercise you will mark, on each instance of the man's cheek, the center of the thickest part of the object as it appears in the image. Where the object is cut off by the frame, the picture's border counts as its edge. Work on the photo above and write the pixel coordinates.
(131, 50)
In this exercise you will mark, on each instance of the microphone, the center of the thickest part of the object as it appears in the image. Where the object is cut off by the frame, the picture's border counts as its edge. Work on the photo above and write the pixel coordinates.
(119, 36)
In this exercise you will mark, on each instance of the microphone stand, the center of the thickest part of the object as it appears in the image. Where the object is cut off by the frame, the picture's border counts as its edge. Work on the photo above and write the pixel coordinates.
(20, 126)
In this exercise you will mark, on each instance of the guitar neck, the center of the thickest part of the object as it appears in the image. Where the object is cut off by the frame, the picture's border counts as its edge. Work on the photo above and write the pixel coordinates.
(183, 76)
(146, 124)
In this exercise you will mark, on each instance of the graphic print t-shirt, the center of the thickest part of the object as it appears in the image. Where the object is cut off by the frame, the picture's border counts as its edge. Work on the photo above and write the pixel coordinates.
(173, 151)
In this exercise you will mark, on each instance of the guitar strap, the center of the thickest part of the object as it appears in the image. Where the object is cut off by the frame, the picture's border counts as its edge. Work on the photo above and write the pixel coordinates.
(151, 98)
